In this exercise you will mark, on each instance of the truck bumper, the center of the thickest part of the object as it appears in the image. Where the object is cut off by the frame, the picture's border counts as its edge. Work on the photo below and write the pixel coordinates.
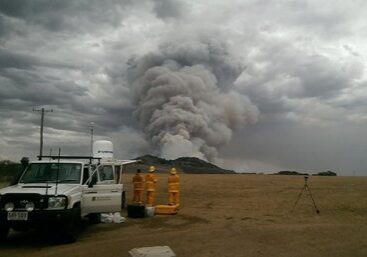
(38, 218)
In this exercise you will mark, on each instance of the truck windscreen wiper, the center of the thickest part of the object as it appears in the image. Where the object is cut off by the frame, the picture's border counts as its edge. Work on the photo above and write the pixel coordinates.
(62, 181)
(49, 181)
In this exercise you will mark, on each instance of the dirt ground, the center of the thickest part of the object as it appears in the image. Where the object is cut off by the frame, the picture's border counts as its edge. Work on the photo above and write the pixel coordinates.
(230, 215)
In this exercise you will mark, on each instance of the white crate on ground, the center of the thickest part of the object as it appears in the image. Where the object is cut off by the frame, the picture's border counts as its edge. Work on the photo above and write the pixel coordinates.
(155, 251)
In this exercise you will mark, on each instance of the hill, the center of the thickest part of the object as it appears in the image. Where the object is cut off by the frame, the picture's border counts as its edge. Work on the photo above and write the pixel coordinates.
(190, 165)
(286, 172)
(323, 173)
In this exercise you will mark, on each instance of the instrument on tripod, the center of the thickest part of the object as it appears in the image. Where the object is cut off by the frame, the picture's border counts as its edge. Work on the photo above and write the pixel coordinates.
(306, 189)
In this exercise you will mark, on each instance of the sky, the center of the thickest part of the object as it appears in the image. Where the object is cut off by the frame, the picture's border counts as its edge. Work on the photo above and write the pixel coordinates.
(254, 86)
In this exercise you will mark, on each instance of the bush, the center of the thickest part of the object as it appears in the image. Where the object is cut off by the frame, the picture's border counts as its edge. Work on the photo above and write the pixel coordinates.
(9, 170)
(326, 173)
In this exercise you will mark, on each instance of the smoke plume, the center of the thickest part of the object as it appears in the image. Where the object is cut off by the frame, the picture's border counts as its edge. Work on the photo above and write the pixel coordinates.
(185, 100)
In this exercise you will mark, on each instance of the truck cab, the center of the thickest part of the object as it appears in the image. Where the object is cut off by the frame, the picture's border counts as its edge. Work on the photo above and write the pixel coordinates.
(58, 193)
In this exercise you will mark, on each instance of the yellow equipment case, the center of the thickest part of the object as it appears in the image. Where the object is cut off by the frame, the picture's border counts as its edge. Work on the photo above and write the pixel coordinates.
(166, 209)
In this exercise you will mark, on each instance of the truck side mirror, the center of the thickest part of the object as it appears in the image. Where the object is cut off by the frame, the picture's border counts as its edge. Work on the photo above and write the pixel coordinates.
(93, 181)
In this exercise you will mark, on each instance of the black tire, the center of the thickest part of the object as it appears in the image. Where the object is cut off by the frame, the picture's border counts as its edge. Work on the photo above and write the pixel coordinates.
(70, 230)
(94, 218)
(123, 200)
(4, 231)
(19, 228)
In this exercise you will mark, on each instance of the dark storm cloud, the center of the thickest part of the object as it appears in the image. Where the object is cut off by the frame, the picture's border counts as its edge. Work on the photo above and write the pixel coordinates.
(4, 26)
(36, 11)
(14, 60)
(280, 72)
(59, 15)
(169, 8)
(32, 87)
(327, 20)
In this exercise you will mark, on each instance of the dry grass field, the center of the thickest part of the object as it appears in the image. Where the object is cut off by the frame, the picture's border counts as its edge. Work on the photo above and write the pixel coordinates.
(230, 215)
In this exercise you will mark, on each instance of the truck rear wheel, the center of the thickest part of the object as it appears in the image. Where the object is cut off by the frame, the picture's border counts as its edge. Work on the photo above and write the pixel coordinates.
(94, 218)
(123, 200)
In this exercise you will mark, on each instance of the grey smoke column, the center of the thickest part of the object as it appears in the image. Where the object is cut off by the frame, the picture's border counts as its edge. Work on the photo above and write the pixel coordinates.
(185, 100)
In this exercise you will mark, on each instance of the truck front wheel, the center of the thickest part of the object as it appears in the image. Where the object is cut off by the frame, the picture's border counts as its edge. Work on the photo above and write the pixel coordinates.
(70, 229)
(4, 231)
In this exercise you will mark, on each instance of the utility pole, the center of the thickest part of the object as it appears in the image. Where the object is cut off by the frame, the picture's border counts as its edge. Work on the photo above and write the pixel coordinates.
(91, 126)
(42, 111)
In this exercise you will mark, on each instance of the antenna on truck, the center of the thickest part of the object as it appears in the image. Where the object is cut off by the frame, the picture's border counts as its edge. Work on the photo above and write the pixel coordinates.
(42, 111)
(58, 171)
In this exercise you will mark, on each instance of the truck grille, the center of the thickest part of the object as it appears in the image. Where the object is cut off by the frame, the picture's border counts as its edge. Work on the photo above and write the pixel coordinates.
(20, 200)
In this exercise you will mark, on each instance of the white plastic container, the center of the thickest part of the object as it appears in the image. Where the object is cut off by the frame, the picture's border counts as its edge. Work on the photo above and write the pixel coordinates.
(106, 217)
(149, 211)
(112, 218)
(117, 218)
(155, 251)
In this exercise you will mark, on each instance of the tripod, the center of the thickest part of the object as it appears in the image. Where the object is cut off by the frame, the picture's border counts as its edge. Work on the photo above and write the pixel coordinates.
(308, 190)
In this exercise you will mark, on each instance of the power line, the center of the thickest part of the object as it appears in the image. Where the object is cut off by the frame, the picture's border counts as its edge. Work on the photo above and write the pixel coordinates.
(42, 111)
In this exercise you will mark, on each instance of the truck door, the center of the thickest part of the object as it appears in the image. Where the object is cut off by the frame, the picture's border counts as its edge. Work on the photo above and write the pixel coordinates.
(105, 196)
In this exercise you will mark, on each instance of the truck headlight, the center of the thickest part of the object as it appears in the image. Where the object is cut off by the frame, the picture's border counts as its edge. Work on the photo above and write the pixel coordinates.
(9, 206)
(57, 202)
(29, 206)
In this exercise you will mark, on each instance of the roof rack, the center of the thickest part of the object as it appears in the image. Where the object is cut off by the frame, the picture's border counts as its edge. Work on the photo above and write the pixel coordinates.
(55, 157)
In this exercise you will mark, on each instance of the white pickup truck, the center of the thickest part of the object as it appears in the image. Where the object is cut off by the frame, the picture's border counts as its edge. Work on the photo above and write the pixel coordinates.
(57, 194)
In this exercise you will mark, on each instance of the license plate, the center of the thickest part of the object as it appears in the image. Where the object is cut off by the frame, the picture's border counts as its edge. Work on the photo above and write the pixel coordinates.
(15, 215)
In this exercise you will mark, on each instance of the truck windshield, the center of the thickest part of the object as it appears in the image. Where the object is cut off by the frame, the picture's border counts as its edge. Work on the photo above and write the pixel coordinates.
(52, 173)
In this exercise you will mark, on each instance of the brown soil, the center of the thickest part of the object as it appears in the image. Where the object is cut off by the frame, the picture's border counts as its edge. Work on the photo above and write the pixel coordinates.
(230, 215)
